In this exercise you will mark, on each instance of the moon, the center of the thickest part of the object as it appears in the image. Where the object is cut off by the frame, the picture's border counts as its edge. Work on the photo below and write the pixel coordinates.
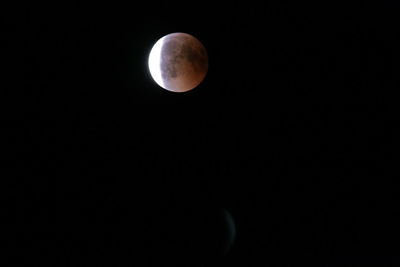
(230, 231)
(178, 62)
(194, 231)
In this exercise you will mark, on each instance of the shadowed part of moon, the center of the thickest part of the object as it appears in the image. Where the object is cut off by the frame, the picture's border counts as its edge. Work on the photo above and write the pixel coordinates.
(183, 62)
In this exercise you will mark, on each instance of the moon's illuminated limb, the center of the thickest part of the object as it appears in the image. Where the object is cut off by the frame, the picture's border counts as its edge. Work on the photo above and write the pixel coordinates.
(155, 62)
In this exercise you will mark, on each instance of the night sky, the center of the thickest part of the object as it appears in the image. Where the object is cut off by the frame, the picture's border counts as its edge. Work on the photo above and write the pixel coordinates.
(294, 131)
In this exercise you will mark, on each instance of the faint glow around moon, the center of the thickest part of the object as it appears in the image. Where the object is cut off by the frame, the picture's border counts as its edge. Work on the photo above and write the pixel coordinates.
(155, 64)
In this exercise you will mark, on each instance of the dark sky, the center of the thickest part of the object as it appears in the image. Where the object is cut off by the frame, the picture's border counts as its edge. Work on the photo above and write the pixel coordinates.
(293, 131)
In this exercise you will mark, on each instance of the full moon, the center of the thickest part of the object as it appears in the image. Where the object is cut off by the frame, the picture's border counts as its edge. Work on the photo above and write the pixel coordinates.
(178, 62)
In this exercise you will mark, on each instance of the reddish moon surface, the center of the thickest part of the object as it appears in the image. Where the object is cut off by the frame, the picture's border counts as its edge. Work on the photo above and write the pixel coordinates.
(178, 62)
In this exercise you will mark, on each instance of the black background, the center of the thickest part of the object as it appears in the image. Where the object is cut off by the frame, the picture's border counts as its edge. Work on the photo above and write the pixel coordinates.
(293, 130)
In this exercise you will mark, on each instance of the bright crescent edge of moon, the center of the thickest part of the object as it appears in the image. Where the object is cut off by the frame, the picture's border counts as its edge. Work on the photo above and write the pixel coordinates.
(154, 62)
